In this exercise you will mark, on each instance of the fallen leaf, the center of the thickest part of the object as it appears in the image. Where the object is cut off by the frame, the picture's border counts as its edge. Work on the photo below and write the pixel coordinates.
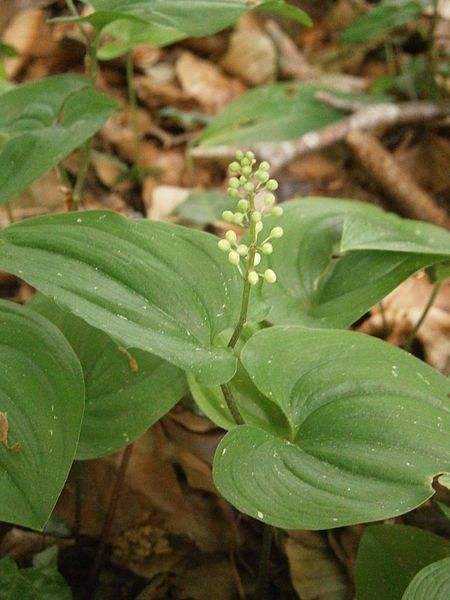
(206, 83)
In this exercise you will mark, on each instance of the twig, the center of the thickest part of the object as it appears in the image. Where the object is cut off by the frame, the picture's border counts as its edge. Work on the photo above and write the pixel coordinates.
(294, 65)
(409, 199)
(262, 584)
(109, 520)
(426, 310)
(369, 117)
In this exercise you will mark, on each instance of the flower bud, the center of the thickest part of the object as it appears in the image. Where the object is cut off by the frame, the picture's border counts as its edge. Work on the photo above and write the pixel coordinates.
(245, 162)
(242, 250)
(239, 155)
(227, 216)
(276, 211)
(253, 277)
(262, 176)
(233, 182)
(270, 276)
(234, 257)
(259, 227)
(224, 245)
(257, 259)
(231, 236)
(243, 205)
(238, 218)
(246, 171)
(269, 199)
(267, 248)
(249, 187)
(256, 216)
(234, 167)
(249, 155)
(272, 185)
(233, 193)
(277, 232)
(264, 166)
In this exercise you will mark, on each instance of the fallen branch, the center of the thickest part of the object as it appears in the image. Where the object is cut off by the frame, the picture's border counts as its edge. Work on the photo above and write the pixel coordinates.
(294, 65)
(366, 118)
(407, 197)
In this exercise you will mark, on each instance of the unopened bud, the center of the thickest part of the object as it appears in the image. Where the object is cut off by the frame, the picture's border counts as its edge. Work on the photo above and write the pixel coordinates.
(235, 167)
(264, 166)
(259, 227)
(267, 248)
(242, 250)
(243, 205)
(257, 259)
(272, 185)
(253, 277)
(276, 211)
(270, 276)
(231, 236)
(224, 245)
(227, 216)
(234, 257)
(277, 232)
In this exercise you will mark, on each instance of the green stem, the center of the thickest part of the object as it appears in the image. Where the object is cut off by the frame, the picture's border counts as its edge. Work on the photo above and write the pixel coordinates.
(247, 285)
(231, 403)
(262, 584)
(132, 98)
(423, 316)
(73, 11)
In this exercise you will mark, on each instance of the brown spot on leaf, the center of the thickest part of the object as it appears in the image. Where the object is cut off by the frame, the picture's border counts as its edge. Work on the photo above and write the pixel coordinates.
(4, 430)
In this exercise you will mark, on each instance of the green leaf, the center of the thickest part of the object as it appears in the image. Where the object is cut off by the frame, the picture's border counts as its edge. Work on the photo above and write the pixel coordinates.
(368, 431)
(339, 258)
(389, 556)
(203, 208)
(41, 406)
(122, 35)
(7, 50)
(276, 112)
(192, 18)
(40, 582)
(381, 20)
(431, 583)
(44, 121)
(112, 387)
(284, 9)
(158, 287)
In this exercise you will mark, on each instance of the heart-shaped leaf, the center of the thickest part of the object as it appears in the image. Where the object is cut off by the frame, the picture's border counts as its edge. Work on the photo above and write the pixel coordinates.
(369, 431)
(338, 258)
(390, 556)
(158, 287)
(124, 394)
(44, 121)
(276, 112)
(41, 407)
(431, 583)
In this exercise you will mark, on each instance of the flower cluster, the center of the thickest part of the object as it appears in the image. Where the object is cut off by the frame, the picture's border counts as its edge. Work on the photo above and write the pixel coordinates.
(247, 184)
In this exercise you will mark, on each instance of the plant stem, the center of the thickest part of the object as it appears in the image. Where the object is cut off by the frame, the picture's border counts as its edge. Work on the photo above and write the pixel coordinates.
(231, 403)
(109, 519)
(426, 310)
(247, 285)
(134, 114)
(262, 583)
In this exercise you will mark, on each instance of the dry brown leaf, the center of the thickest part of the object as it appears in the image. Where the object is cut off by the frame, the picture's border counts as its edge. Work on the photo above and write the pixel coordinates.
(205, 83)
(402, 310)
(164, 200)
(251, 56)
(23, 33)
(18, 543)
(315, 571)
